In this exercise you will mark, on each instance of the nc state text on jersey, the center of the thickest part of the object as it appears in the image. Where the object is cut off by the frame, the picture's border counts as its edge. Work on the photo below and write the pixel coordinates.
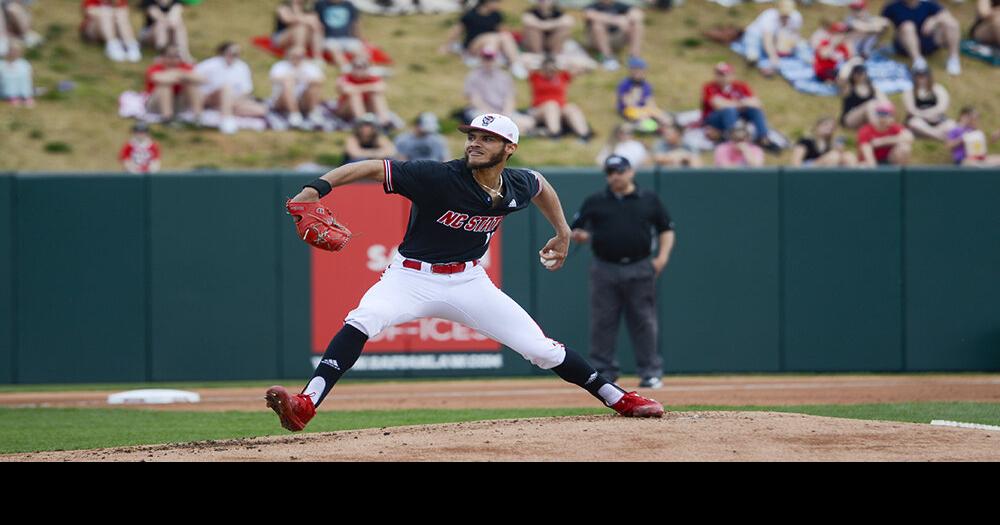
(476, 223)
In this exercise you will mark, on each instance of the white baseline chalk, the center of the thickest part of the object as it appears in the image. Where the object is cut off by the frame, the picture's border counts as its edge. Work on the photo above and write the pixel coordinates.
(944, 423)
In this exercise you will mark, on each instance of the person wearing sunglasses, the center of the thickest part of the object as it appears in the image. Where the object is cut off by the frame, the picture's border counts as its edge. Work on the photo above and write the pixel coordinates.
(621, 222)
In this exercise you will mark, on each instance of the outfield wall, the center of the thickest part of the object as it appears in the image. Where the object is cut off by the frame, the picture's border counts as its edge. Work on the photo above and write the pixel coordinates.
(200, 276)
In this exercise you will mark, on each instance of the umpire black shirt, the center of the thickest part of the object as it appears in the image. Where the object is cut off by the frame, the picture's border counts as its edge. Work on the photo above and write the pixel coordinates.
(622, 226)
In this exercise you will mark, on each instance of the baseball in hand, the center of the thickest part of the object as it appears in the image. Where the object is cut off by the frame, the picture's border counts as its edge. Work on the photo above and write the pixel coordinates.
(548, 263)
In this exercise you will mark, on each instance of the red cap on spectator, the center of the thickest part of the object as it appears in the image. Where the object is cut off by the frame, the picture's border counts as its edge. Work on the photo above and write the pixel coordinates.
(723, 68)
(858, 4)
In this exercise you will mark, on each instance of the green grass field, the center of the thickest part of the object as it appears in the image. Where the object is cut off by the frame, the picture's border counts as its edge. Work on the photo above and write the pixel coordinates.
(78, 130)
(31, 430)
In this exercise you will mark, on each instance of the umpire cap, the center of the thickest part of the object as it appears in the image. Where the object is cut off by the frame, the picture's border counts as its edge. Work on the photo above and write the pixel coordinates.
(616, 164)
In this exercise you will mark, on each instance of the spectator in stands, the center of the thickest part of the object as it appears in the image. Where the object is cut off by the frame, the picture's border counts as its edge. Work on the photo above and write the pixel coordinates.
(670, 150)
(424, 142)
(969, 144)
(546, 28)
(141, 154)
(15, 22)
(340, 29)
(921, 28)
(549, 106)
(832, 53)
(362, 91)
(738, 151)
(297, 25)
(725, 101)
(15, 78)
(623, 143)
(165, 26)
(611, 25)
(172, 84)
(859, 96)
(490, 89)
(864, 28)
(367, 142)
(228, 86)
(884, 141)
(635, 101)
(926, 106)
(107, 22)
(482, 28)
(986, 29)
(823, 147)
(297, 88)
(775, 33)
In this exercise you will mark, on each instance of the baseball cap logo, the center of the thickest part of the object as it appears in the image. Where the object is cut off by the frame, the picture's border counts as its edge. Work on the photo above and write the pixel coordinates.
(493, 123)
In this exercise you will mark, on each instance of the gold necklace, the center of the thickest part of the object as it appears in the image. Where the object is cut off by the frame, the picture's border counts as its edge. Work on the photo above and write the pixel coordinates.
(494, 193)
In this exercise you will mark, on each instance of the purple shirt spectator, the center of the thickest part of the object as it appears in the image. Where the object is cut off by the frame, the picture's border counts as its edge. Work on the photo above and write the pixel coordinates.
(628, 86)
(958, 153)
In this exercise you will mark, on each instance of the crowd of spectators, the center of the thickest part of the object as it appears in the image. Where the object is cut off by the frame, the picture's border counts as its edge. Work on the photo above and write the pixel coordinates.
(732, 122)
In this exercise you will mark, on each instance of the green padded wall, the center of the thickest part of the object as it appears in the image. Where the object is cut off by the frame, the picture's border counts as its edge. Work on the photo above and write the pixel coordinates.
(7, 335)
(952, 243)
(842, 277)
(719, 309)
(294, 284)
(214, 276)
(81, 288)
(115, 277)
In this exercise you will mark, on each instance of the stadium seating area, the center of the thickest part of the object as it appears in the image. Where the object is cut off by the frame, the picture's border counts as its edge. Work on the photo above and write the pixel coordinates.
(672, 89)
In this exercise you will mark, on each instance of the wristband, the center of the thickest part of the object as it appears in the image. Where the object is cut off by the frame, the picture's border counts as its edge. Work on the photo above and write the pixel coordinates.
(321, 186)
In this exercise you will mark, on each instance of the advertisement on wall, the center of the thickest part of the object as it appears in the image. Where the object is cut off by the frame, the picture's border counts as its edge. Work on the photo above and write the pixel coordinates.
(339, 280)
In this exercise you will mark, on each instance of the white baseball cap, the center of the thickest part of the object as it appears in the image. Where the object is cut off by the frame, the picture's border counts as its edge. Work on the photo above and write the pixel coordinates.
(493, 123)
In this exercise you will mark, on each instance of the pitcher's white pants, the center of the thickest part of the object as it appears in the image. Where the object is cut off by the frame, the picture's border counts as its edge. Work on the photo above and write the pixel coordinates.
(469, 297)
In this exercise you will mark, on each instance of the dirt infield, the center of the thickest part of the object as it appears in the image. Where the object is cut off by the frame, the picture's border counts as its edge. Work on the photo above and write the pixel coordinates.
(680, 436)
(553, 393)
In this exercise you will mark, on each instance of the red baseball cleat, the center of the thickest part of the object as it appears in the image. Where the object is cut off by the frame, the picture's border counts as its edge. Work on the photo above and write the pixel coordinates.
(294, 411)
(634, 405)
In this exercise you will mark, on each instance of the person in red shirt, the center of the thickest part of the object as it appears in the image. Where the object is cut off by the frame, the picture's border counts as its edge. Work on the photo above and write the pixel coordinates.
(548, 101)
(726, 100)
(831, 53)
(108, 21)
(171, 84)
(884, 142)
(361, 92)
(141, 154)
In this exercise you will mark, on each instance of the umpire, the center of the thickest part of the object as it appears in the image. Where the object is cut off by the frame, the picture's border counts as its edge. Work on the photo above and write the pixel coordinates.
(621, 221)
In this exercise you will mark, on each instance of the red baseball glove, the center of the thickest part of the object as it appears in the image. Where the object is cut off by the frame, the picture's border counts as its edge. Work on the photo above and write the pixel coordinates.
(316, 225)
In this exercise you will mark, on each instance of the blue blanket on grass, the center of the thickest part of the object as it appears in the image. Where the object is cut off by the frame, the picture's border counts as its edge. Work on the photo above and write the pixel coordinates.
(888, 75)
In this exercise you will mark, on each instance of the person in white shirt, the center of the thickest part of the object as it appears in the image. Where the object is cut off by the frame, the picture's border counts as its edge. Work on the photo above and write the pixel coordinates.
(624, 144)
(775, 32)
(297, 87)
(16, 78)
(228, 86)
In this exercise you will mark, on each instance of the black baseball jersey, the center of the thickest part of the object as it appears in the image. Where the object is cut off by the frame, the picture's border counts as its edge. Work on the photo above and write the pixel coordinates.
(452, 218)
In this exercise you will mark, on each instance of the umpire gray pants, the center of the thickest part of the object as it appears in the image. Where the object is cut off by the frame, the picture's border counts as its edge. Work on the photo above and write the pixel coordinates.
(629, 289)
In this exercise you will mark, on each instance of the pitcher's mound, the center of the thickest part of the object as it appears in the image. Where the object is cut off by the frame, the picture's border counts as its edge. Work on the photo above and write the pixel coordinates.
(679, 436)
